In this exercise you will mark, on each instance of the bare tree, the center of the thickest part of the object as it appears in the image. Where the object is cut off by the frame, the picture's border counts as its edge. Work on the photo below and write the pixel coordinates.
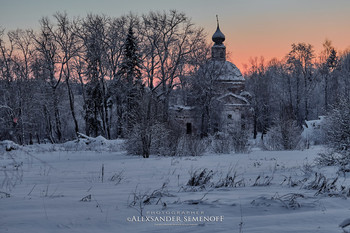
(68, 48)
(328, 63)
(171, 39)
(53, 64)
(6, 79)
(300, 59)
(169, 43)
(345, 74)
(92, 34)
(21, 59)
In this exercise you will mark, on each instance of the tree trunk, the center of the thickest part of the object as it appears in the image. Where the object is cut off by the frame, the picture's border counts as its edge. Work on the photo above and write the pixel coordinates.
(298, 100)
(146, 134)
(49, 125)
(255, 125)
(306, 99)
(71, 104)
(57, 115)
(326, 93)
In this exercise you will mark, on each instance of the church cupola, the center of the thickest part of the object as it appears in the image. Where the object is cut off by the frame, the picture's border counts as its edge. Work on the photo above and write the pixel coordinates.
(218, 51)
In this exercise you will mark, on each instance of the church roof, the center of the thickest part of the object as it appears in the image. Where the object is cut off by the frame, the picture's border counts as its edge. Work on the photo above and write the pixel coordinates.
(233, 99)
(223, 71)
(218, 66)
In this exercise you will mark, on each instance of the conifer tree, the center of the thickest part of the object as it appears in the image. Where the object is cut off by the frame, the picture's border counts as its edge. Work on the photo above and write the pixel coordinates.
(131, 81)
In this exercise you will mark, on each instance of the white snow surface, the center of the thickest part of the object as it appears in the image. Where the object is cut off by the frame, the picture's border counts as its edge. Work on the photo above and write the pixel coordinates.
(62, 191)
(313, 131)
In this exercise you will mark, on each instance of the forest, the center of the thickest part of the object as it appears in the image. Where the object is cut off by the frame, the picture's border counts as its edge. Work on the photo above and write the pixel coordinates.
(115, 77)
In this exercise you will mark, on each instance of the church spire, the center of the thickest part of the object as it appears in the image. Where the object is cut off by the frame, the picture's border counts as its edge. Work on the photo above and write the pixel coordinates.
(218, 36)
(218, 51)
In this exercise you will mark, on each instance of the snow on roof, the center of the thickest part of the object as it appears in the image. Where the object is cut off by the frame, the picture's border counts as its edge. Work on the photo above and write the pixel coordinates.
(224, 70)
(314, 123)
(246, 93)
(181, 107)
(313, 131)
(236, 96)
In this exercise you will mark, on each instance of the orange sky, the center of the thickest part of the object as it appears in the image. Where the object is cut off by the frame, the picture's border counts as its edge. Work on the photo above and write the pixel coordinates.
(253, 28)
(269, 32)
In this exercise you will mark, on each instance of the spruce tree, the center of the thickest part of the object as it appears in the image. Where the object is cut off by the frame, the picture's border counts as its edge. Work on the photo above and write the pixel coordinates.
(131, 80)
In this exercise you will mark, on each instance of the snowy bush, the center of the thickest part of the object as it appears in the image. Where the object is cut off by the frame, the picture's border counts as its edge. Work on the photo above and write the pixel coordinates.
(337, 128)
(221, 143)
(190, 145)
(329, 158)
(284, 135)
(240, 141)
(225, 143)
(8, 145)
(164, 140)
(156, 139)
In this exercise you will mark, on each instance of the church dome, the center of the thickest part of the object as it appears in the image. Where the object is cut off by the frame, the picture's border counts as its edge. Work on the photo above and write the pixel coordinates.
(218, 37)
(224, 71)
(217, 67)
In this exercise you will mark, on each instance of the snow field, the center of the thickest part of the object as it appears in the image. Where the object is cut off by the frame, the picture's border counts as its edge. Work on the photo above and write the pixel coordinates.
(62, 191)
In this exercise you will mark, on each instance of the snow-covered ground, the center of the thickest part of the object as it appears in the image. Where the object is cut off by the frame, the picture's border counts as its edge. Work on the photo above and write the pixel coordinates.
(63, 191)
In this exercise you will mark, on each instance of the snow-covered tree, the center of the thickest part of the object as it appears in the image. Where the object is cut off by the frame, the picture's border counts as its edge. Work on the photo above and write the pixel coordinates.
(171, 42)
(328, 63)
(203, 96)
(300, 60)
(92, 33)
(130, 80)
(337, 128)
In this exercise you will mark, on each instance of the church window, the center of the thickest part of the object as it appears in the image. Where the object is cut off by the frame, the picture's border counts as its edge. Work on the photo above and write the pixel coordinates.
(188, 128)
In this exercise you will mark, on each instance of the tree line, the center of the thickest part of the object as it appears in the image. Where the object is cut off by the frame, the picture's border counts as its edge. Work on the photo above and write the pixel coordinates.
(97, 75)
(301, 86)
(116, 77)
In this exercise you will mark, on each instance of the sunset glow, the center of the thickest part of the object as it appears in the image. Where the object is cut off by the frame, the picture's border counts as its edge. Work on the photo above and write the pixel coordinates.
(200, 116)
(253, 28)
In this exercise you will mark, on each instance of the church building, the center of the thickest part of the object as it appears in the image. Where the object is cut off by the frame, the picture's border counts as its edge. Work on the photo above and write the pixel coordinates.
(227, 86)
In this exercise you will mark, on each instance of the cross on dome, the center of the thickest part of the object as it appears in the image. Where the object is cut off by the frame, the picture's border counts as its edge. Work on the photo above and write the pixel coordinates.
(218, 36)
